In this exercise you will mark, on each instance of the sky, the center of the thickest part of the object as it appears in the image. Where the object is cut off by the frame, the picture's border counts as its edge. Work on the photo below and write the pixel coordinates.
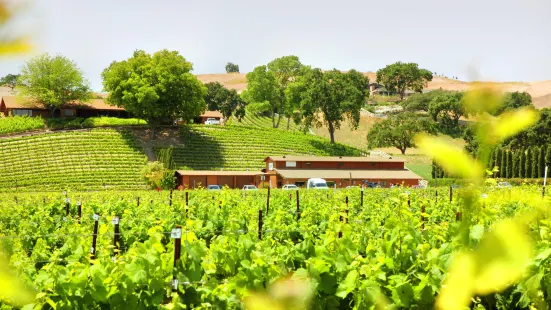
(501, 40)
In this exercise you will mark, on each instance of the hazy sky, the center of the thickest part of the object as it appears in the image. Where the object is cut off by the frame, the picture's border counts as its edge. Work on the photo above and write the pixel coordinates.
(505, 40)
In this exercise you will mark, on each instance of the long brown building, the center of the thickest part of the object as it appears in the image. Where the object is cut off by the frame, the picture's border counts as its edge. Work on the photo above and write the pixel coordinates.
(281, 170)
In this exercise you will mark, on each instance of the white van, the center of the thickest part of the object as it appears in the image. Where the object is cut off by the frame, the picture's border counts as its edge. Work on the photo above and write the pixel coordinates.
(316, 184)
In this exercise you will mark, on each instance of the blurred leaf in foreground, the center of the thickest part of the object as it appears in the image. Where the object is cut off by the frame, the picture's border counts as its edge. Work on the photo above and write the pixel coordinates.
(11, 289)
(454, 160)
(285, 294)
(11, 45)
(499, 261)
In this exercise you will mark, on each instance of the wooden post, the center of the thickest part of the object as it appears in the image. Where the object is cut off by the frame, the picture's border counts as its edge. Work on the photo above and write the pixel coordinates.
(340, 232)
(138, 201)
(298, 207)
(95, 236)
(115, 222)
(451, 194)
(79, 210)
(409, 201)
(260, 224)
(187, 199)
(170, 201)
(176, 234)
(458, 216)
(268, 202)
(362, 197)
(422, 218)
(436, 196)
(220, 204)
(67, 207)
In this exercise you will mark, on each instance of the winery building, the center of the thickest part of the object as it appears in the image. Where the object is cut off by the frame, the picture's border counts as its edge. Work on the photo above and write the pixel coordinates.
(281, 170)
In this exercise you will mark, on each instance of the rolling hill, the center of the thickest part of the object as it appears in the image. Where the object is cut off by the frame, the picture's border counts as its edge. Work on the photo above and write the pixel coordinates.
(540, 90)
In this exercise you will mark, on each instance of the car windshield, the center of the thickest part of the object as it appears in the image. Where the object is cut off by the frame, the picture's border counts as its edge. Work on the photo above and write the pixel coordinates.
(324, 185)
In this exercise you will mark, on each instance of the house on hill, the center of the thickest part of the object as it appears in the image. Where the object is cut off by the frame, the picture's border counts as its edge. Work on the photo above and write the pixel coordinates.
(13, 106)
(379, 89)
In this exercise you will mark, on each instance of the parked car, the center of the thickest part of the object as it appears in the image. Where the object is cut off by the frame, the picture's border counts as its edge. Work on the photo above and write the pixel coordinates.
(504, 185)
(212, 121)
(214, 187)
(351, 187)
(316, 184)
(373, 185)
(250, 188)
(289, 187)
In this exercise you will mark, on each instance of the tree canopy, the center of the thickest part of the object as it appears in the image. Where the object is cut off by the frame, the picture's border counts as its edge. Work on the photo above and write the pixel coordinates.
(420, 101)
(53, 81)
(513, 101)
(228, 102)
(447, 108)
(268, 84)
(231, 67)
(399, 131)
(158, 88)
(399, 77)
(10, 80)
(328, 98)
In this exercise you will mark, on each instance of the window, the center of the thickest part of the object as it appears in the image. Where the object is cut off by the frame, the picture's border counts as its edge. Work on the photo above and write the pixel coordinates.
(19, 112)
(291, 164)
(68, 112)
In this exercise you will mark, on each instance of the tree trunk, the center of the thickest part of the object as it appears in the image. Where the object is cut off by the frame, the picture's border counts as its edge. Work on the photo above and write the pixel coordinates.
(278, 120)
(273, 120)
(403, 150)
(331, 132)
(288, 123)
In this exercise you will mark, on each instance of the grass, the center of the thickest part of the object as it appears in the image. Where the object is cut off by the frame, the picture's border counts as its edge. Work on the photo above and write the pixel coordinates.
(356, 138)
(81, 160)
(242, 148)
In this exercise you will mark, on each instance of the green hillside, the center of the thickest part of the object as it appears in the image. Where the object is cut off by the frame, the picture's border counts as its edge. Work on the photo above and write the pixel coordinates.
(241, 148)
(94, 159)
(253, 120)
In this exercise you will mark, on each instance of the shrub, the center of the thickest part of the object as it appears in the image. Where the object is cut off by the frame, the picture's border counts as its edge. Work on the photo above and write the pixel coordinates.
(13, 124)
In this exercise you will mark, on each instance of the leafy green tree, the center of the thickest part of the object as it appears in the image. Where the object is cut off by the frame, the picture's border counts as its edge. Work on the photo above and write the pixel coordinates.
(158, 88)
(399, 131)
(541, 157)
(399, 77)
(548, 158)
(231, 67)
(10, 80)
(503, 168)
(535, 162)
(522, 164)
(447, 108)
(228, 102)
(510, 164)
(528, 164)
(420, 102)
(514, 101)
(53, 81)
(498, 155)
(538, 134)
(328, 98)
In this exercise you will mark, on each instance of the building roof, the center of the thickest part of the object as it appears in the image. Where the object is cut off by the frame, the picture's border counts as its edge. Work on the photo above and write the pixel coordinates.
(215, 114)
(13, 102)
(369, 159)
(218, 172)
(404, 174)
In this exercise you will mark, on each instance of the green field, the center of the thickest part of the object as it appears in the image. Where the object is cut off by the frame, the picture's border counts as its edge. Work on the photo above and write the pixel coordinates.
(343, 255)
(241, 148)
(87, 160)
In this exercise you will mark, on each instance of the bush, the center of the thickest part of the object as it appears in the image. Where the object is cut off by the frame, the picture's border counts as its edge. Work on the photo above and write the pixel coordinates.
(92, 122)
(157, 176)
(13, 124)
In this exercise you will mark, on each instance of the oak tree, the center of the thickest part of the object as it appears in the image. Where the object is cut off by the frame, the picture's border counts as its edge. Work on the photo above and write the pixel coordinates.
(399, 77)
(53, 81)
(399, 131)
(158, 88)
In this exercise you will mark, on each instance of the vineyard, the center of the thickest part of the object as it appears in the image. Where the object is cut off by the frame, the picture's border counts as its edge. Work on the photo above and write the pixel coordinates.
(241, 148)
(265, 122)
(199, 249)
(91, 159)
